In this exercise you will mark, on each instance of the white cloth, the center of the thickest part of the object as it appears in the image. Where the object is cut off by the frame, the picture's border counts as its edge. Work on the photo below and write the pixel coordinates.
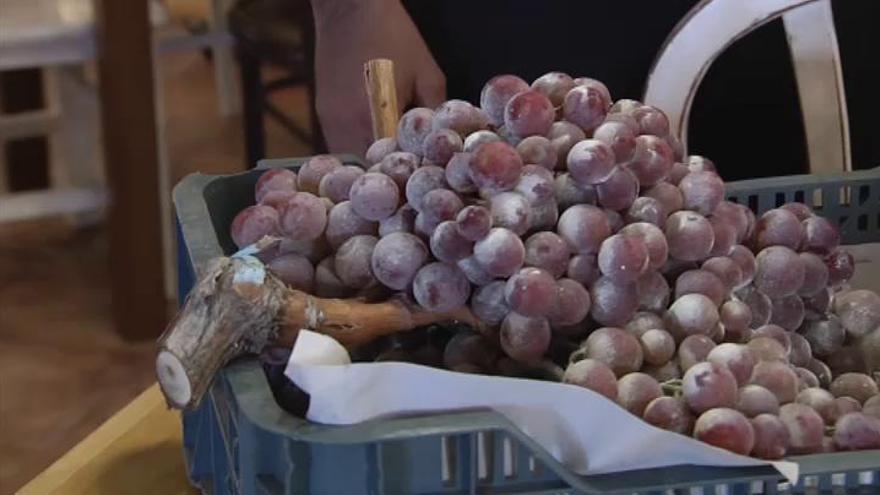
(583, 430)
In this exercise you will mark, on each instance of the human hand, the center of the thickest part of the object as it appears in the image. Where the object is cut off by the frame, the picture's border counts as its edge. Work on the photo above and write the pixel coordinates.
(348, 34)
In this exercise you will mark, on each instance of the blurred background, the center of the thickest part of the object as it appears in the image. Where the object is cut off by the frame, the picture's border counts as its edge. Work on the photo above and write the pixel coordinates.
(77, 336)
(111, 100)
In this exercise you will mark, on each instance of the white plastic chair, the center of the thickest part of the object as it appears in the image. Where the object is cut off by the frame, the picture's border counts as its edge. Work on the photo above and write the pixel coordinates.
(713, 25)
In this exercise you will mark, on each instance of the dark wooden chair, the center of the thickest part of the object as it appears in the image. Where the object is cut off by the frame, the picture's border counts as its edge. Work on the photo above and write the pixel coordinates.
(274, 33)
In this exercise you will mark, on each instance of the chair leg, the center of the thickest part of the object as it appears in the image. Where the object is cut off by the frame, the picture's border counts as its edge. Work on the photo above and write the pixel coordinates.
(252, 96)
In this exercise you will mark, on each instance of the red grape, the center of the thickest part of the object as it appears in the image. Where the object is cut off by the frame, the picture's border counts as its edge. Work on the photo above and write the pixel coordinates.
(859, 386)
(460, 117)
(805, 428)
(744, 257)
(525, 339)
(548, 251)
(474, 272)
(374, 196)
(668, 195)
(777, 377)
(820, 235)
(538, 150)
(440, 144)
(692, 314)
(613, 303)
(653, 292)
(585, 106)
(779, 273)
(655, 241)
(476, 140)
(694, 349)
(821, 401)
(440, 287)
(771, 437)
(669, 371)
(309, 177)
(413, 127)
(701, 282)
(623, 258)
(708, 385)
(766, 348)
(670, 413)
(537, 185)
(619, 137)
(584, 227)
(690, 236)
(590, 162)
(497, 92)
(303, 217)
(825, 336)
(736, 357)
(294, 270)
(441, 204)
(252, 224)
(352, 261)
(648, 210)
(651, 120)
(554, 85)
(570, 193)
(314, 250)
(448, 245)
(619, 191)
(594, 375)
(636, 390)
(572, 303)
(458, 173)
(727, 429)
(857, 431)
(858, 310)
(787, 312)
(583, 268)
(473, 222)
(801, 353)
(500, 253)
(511, 211)
(753, 400)
(651, 161)
(643, 321)
(625, 105)
(336, 183)
(496, 167)
(327, 284)
(396, 259)
(563, 135)
(529, 113)
(403, 220)
(343, 223)
(618, 349)
(379, 149)
(399, 165)
(488, 303)
(702, 191)
(658, 346)
(815, 274)
(759, 304)
(423, 181)
(779, 227)
(806, 378)
(531, 292)
(276, 179)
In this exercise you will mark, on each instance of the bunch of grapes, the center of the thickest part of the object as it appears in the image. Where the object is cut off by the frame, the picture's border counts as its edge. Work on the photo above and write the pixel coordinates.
(595, 252)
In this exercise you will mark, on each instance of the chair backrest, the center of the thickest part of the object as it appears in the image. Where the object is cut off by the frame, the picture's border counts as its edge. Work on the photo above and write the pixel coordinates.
(713, 25)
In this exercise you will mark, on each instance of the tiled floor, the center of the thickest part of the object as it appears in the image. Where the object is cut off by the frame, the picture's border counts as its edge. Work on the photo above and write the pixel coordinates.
(63, 370)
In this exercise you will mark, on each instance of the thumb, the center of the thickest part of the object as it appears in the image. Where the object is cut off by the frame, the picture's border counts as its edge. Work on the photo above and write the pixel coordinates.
(430, 88)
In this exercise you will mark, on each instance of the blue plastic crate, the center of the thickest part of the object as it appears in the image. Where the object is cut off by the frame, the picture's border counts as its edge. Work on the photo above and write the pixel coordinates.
(241, 442)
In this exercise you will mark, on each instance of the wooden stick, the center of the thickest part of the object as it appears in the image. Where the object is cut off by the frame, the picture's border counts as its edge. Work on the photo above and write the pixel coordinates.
(238, 307)
(382, 93)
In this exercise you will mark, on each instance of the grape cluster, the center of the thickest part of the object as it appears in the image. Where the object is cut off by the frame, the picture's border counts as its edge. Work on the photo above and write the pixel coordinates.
(593, 251)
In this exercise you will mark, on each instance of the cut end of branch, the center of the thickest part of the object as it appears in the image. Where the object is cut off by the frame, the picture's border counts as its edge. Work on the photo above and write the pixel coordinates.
(173, 380)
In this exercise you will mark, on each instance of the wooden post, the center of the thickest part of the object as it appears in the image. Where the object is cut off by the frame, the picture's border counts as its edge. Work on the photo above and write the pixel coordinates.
(125, 70)
(382, 93)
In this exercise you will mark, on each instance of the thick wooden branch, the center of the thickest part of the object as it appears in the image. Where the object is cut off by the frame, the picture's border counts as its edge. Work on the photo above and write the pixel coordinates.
(239, 307)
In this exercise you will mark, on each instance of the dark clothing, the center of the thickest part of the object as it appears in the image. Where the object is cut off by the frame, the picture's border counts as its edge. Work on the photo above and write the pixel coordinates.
(746, 116)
